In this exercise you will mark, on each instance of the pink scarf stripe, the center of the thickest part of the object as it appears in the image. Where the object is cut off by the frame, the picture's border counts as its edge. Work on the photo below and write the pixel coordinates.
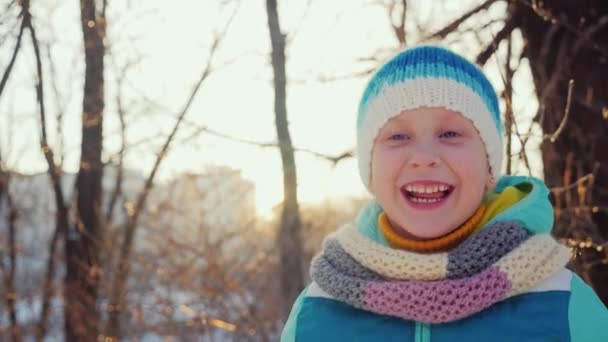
(438, 301)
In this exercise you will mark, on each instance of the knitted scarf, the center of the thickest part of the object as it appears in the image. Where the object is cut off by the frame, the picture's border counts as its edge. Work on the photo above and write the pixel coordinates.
(500, 261)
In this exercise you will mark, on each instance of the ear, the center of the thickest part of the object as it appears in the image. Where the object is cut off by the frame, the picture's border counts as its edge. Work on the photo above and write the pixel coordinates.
(491, 183)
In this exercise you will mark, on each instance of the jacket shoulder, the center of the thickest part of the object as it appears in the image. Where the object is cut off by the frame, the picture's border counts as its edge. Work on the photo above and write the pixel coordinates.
(316, 316)
(587, 315)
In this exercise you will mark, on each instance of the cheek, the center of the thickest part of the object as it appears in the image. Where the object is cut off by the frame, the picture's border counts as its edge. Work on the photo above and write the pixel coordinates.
(386, 165)
(472, 165)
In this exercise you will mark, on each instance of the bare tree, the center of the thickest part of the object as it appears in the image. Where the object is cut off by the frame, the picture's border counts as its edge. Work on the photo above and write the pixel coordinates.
(81, 239)
(117, 299)
(61, 211)
(567, 42)
(290, 245)
(10, 290)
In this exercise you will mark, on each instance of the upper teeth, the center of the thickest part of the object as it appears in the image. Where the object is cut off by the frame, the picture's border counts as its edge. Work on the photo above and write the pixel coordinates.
(426, 189)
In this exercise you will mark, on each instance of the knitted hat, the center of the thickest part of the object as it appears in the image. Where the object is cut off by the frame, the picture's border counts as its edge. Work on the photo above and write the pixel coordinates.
(428, 76)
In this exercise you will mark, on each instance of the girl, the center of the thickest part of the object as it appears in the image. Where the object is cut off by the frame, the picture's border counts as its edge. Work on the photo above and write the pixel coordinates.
(448, 250)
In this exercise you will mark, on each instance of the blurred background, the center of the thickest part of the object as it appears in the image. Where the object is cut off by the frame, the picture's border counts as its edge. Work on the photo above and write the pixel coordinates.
(169, 168)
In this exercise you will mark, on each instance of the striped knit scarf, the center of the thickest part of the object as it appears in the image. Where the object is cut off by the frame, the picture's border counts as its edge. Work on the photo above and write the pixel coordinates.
(500, 261)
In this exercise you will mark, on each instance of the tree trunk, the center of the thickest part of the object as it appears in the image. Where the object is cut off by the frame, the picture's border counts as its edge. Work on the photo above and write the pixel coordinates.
(290, 246)
(10, 292)
(571, 44)
(82, 241)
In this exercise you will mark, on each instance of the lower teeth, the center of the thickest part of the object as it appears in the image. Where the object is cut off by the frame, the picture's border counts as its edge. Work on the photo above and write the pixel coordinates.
(425, 200)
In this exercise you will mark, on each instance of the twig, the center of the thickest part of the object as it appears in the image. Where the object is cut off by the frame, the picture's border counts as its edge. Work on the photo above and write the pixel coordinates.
(61, 211)
(442, 33)
(548, 16)
(362, 73)
(116, 298)
(559, 189)
(545, 48)
(475, 29)
(9, 68)
(563, 61)
(199, 129)
(506, 30)
(290, 37)
(508, 92)
(588, 33)
(60, 108)
(398, 29)
(8, 6)
(331, 158)
(119, 176)
(553, 137)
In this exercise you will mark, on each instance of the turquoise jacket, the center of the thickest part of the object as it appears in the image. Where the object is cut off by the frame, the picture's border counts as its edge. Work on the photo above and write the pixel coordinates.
(562, 308)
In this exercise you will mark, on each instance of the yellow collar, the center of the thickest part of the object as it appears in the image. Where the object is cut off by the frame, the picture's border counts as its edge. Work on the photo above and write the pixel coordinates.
(493, 205)
(427, 246)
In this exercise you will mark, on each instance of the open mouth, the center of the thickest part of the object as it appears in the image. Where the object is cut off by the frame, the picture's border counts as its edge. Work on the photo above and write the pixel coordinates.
(427, 194)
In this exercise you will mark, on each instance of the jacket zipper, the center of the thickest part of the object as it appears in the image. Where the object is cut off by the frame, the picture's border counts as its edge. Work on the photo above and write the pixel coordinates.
(422, 332)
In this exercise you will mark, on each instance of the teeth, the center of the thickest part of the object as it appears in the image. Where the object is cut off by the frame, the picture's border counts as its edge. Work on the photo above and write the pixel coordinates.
(426, 190)
(425, 200)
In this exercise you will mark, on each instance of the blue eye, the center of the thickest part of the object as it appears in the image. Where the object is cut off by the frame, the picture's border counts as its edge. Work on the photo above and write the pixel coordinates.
(450, 134)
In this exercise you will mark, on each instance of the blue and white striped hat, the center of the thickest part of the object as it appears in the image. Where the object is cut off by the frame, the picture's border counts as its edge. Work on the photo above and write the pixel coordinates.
(433, 77)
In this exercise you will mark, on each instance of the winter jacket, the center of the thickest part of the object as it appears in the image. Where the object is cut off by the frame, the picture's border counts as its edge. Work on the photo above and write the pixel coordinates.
(519, 291)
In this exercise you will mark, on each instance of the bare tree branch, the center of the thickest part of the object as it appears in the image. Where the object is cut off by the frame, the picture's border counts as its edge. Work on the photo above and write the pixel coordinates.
(570, 186)
(121, 153)
(545, 48)
(334, 159)
(9, 6)
(548, 88)
(117, 296)
(104, 7)
(510, 25)
(553, 137)
(508, 96)
(61, 210)
(47, 286)
(290, 37)
(60, 108)
(399, 27)
(200, 129)
(562, 21)
(588, 33)
(11, 63)
(363, 73)
(442, 33)
(474, 30)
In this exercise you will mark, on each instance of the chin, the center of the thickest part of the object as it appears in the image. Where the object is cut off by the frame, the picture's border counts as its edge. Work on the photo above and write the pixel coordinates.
(431, 236)
(428, 234)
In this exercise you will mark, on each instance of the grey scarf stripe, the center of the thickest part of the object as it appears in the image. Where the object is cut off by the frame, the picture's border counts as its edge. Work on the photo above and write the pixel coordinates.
(344, 278)
(485, 248)
(344, 263)
(342, 287)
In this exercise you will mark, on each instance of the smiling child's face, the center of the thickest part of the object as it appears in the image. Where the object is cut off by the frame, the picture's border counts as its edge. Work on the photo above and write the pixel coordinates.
(429, 171)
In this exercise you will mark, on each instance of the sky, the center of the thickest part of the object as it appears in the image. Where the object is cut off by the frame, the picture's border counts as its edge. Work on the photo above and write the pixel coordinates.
(168, 44)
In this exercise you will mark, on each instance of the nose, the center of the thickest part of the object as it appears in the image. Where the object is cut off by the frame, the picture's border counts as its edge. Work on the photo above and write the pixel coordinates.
(423, 157)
